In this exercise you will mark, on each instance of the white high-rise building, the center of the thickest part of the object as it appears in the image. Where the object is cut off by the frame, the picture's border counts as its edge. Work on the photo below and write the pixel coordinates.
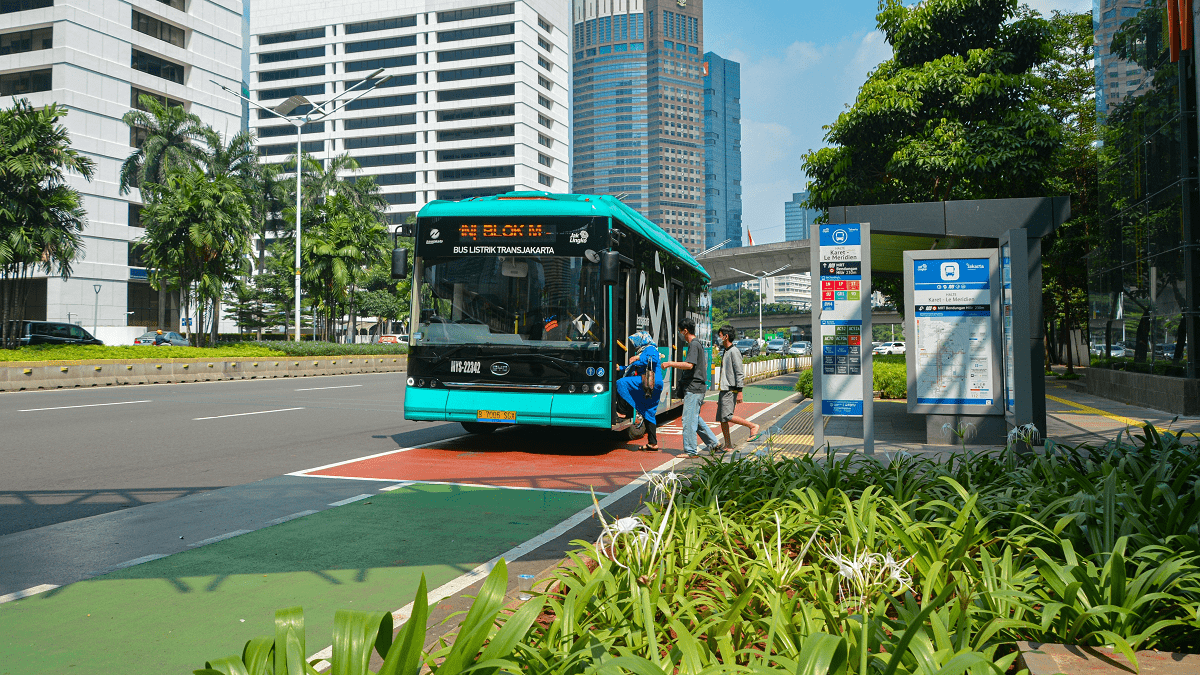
(477, 104)
(95, 57)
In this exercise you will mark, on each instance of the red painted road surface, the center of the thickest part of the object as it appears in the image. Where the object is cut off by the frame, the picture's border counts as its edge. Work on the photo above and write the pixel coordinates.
(530, 457)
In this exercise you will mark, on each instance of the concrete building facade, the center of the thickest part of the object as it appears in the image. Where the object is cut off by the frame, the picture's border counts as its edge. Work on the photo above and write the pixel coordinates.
(638, 106)
(722, 151)
(95, 58)
(477, 104)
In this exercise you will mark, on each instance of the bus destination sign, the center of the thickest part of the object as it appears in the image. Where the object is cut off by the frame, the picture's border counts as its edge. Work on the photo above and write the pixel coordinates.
(546, 235)
(506, 233)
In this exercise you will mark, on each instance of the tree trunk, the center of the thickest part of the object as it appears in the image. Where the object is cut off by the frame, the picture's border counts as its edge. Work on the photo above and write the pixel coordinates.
(1180, 343)
(1143, 339)
(216, 320)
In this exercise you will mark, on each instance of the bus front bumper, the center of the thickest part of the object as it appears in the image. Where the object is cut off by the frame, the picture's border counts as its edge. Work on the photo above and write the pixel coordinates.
(560, 410)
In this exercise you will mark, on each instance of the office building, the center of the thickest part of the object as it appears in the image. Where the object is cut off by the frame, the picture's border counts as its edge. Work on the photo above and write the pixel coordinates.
(95, 58)
(476, 105)
(722, 151)
(1116, 78)
(788, 289)
(797, 220)
(638, 101)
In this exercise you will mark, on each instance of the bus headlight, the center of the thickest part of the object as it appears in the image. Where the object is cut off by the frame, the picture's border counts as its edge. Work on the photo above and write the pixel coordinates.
(420, 383)
(411, 382)
(571, 389)
(599, 388)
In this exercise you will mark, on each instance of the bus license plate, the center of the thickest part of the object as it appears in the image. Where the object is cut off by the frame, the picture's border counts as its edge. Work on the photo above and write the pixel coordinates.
(499, 416)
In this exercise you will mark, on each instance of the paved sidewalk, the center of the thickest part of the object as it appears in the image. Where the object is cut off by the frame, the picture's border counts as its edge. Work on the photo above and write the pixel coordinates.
(1073, 417)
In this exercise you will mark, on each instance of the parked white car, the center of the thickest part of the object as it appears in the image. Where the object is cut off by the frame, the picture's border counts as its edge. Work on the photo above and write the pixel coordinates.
(889, 348)
(800, 348)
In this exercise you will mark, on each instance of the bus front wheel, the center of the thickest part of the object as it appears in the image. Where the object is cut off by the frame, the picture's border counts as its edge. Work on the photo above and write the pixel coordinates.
(637, 429)
(478, 427)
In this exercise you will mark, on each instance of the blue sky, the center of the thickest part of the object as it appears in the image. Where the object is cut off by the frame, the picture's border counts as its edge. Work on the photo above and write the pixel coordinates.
(802, 63)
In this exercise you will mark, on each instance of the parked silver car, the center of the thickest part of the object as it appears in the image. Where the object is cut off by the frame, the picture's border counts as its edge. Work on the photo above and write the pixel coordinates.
(800, 348)
(173, 339)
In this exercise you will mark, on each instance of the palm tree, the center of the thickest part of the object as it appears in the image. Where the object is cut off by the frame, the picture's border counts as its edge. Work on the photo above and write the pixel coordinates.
(171, 137)
(41, 219)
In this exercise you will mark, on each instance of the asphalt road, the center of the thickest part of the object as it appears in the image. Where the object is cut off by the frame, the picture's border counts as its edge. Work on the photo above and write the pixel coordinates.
(70, 454)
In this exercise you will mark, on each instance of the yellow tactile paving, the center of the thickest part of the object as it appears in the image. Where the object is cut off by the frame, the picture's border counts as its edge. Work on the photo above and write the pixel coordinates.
(1095, 411)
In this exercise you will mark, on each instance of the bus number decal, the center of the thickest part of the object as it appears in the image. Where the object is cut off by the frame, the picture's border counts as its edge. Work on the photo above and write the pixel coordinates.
(464, 367)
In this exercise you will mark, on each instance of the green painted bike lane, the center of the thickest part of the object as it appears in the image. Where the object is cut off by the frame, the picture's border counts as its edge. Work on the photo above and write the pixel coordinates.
(170, 615)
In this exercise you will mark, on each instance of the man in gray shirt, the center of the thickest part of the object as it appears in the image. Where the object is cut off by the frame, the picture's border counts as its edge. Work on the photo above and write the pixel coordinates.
(730, 384)
(693, 382)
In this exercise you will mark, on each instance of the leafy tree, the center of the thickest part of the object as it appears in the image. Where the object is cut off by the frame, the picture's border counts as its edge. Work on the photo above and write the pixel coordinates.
(197, 236)
(952, 115)
(41, 219)
(170, 142)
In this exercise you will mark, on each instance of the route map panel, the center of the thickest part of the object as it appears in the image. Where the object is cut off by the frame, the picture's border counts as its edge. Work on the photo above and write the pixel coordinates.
(952, 337)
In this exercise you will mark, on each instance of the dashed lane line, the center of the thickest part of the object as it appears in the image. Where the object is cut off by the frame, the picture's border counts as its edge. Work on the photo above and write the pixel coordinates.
(293, 516)
(351, 500)
(257, 412)
(342, 386)
(89, 405)
(219, 537)
(17, 595)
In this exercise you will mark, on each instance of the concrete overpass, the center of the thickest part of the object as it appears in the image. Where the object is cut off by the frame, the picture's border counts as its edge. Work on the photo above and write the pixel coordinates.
(802, 320)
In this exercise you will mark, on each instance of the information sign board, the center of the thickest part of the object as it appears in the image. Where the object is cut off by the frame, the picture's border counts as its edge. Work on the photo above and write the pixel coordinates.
(952, 355)
(845, 372)
(1006, 314)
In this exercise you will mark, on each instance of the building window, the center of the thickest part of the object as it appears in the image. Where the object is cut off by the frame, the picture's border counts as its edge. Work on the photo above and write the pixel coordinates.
(545, 180)
(545, 160)
(544, 63)
(394, 81)
(498, 131)
(545, 102)
(291, 36)
(387, 160)
(489, 152)
(381, 24)
(383, 102)
(379, 141)
(546, 84)
(476, 92)
(291, 73)
(289, 130)
(292, 55)
(545, 25)
(467, 193)
(476, 53)
(10, 6)
(400, 197)
(475, 13)
(484, 112)
(137, 94)
(289, 148)
(476, 73)
(545, 140)
(144, 23)
(26, 41)
(385, 62)
(381, 43)
(476, 33)
(353, 124)
(545, 121)
(477, 173)
(156, 66)
(544, 44)
(409, 178)
(285, 92)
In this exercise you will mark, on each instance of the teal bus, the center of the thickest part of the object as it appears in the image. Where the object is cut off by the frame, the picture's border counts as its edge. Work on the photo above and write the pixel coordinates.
(522, 304)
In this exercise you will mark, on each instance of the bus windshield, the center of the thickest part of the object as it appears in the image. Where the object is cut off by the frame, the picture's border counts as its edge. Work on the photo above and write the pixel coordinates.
(533, 300)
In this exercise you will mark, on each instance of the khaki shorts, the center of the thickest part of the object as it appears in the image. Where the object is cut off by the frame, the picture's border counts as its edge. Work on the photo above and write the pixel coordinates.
(726, 402)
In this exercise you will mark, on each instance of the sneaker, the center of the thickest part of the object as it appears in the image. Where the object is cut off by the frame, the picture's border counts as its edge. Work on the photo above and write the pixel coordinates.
(692, 453)
(714, 449)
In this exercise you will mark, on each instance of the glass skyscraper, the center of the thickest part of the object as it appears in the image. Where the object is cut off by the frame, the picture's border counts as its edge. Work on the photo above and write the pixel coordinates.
(722, 151)
(636, 104)
(797, 220)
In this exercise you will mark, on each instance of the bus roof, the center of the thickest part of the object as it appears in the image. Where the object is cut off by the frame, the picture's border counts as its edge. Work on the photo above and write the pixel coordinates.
(550, 204)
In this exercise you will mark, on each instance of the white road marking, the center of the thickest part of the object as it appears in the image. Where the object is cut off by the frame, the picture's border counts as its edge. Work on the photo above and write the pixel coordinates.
(298, 514)
(343, 386)
(219, 537)
(476, 485)
(26, 593)
(465, 581)
(351, 500)
(128, 563)
(89, 405)
(305, 472)
(258, 412)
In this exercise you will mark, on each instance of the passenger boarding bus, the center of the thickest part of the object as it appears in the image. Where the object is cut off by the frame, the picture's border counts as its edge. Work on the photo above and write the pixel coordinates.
(522, 304)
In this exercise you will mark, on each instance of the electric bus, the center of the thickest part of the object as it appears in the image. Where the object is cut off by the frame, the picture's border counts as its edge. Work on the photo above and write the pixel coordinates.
(522, 304)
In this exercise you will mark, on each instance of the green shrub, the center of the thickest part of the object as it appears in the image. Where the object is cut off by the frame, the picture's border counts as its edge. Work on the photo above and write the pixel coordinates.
(890, 379)
(134, 352)
(315, 348)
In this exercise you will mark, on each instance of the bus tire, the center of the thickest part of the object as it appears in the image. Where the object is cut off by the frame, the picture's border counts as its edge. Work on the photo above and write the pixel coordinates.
(478, 427)
(637, 429)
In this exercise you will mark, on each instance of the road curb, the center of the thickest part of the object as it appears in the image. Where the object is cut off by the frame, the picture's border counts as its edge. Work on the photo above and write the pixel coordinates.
(33, 375)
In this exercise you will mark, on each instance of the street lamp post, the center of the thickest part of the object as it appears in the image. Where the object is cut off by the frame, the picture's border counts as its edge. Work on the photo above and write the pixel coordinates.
(760, 276)
(316, 114)
(96, 311)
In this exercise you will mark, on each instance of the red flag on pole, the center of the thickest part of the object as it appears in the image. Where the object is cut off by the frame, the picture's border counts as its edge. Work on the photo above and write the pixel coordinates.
(750, 237)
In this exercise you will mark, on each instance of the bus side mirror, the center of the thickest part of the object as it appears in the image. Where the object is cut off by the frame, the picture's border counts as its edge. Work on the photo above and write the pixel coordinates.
(399, 263)
(610, 267)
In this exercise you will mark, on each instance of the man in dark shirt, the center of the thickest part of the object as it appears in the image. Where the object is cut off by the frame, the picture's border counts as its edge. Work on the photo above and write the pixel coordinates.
(692, 386)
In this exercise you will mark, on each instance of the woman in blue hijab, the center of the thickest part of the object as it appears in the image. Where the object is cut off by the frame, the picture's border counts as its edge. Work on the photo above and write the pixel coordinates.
(630, 389)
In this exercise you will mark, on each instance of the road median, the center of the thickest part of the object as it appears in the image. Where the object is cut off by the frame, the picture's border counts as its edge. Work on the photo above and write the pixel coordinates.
(33, 375)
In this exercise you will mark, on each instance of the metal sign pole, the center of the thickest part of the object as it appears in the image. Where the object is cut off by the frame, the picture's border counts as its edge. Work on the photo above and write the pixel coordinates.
(817, 351)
